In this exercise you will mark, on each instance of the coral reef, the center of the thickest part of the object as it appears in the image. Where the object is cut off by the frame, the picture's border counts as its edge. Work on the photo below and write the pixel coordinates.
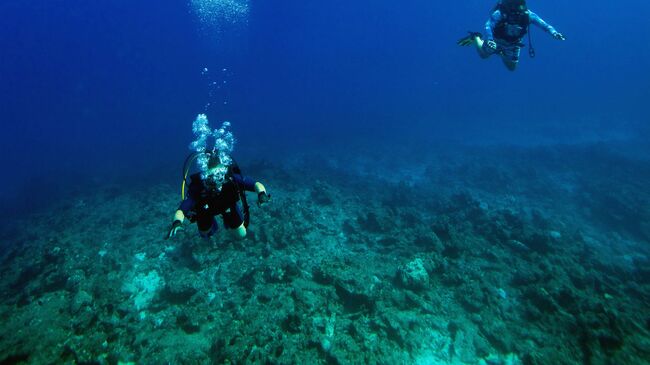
(487, 255)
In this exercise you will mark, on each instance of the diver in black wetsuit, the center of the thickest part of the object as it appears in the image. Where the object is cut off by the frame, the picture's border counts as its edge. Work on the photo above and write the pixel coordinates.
(209, 197)
(219, 188)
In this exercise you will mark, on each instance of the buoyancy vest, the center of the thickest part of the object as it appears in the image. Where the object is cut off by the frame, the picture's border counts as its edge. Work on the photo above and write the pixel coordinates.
(513, 26)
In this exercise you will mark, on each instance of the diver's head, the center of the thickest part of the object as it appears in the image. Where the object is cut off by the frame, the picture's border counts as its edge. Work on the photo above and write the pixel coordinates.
(213, 161)
(514, 6)
(215, 173)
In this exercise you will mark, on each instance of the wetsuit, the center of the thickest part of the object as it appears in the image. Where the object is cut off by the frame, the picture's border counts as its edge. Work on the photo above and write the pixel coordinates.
(203, 204)
(508, 30)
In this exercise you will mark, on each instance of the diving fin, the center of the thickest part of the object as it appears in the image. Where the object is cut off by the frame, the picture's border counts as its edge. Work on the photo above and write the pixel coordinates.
(469, 39)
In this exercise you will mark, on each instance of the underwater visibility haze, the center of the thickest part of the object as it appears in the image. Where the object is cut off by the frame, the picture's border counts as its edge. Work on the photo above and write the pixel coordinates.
(323, 182)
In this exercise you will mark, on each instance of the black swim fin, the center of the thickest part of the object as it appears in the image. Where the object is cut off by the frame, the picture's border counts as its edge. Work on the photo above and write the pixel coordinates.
(469, 39)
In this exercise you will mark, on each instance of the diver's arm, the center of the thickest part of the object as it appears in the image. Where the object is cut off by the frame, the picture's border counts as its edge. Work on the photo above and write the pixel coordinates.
(245, 182)
(262, 196)
(535, 19)
(185, 206)
(177, 224)
(179, 216)
(491, 23)
(251, 185)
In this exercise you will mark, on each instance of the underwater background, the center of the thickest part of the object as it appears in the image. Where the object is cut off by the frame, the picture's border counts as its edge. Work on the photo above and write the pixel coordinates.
(428, 206)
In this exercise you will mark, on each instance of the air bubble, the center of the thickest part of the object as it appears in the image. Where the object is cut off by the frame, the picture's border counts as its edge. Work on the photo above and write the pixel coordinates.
(215, 15)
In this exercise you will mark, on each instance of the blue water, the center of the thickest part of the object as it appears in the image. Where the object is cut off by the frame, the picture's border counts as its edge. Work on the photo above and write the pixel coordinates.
(107, 90)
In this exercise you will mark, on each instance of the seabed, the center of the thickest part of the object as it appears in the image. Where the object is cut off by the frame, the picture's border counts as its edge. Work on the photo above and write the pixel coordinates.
(472, 255)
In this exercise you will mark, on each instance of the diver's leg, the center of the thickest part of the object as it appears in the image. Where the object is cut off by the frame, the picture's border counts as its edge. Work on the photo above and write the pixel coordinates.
(510, 65)
(510, 57)
(481, 48)
(233, 219)
(207, 225)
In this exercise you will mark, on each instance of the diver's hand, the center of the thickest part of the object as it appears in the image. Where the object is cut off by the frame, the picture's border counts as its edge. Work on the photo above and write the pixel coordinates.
(263, 198)
(559, 36)
(176, 226)
(492, 45)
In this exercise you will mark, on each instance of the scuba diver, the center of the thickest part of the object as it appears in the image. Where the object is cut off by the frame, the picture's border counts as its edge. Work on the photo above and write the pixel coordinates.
(218, 188)
(507, 26)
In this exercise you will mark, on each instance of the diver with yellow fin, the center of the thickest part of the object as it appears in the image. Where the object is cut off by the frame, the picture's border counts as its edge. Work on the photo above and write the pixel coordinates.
(508, 25)
(218, 189)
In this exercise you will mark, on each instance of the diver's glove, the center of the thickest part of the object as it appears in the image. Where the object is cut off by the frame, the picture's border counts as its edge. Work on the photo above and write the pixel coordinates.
(263, 198)
(559, 36)
(492, 45)
(176, 226)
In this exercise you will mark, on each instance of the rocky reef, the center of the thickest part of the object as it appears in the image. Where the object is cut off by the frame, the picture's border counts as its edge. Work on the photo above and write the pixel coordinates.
(482, 255)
